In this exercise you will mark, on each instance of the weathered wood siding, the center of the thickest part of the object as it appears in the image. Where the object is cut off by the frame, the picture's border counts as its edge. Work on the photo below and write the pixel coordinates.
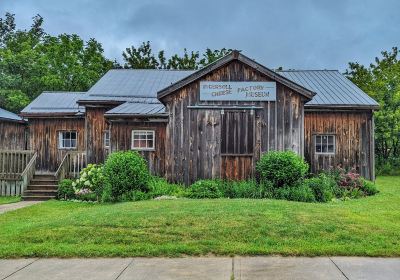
(13, 135)
(43, 134)
(95, 125)
(354, 140)
(121, 140)
(193, 136)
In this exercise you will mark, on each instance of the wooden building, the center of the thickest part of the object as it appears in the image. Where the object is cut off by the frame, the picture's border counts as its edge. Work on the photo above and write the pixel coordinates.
(212, 123)
(13, 134)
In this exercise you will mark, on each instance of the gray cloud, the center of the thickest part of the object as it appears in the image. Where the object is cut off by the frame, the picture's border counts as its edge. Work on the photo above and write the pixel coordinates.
(309, 34)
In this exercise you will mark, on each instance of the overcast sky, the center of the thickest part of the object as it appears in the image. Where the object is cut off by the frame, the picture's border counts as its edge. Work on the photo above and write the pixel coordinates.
(309, 34)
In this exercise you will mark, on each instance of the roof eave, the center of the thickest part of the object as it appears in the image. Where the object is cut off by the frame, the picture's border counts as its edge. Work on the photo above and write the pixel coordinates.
(53, 115)
(164, 115)
(100, 102)
(12, 120)
(341, 106)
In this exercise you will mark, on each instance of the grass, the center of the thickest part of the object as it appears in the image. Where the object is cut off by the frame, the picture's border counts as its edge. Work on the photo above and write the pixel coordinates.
(9, 199)
(362, 227)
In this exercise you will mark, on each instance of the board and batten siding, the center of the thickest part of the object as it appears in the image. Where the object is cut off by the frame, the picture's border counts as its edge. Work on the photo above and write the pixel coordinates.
(95, 126)
(13, 135)
(121, 140)
(354, 146)
(193, 135)
(44, 140)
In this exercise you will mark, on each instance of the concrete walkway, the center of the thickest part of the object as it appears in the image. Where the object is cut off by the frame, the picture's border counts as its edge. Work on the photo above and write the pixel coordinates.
(16, 205)
(202, 268)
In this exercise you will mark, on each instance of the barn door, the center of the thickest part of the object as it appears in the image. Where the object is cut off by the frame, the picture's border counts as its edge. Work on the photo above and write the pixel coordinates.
(237, 144)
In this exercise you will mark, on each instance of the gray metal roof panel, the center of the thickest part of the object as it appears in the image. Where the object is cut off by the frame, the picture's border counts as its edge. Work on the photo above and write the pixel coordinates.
(135, 82)
(332, 88)
(134, 108)
(55, 102)
(6, 115)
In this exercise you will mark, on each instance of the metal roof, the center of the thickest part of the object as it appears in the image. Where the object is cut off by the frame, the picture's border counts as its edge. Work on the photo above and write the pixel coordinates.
(120, 84)
(332, 88)
(134, 108)
(55, 102)
(6, 115)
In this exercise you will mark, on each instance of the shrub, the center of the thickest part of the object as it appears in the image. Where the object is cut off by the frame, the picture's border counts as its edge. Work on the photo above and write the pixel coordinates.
(205, 189)
(323, 186)
(160, 186)
(301, 192)
(91, 179)
(242, 189)
(65, 189)
(125, 172)
(351, 184)
(86, 194)
(369, 187)
(281, 168)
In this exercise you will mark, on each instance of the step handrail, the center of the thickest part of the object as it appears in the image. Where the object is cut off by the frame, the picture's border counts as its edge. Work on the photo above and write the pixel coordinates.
(28, 173)
(71, 164)
(65, 162)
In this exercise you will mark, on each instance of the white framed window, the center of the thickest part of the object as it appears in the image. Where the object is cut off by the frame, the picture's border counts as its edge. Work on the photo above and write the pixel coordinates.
(106, 139)
(67, 139)
(143, 140)
(325, 144)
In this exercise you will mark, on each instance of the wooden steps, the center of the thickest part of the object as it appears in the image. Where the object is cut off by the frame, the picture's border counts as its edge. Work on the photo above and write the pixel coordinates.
(41, 187)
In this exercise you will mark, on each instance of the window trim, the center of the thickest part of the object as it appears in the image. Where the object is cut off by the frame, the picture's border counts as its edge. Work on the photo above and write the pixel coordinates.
(315, 144)
(144, 149)
(109, 139)
(60, 140)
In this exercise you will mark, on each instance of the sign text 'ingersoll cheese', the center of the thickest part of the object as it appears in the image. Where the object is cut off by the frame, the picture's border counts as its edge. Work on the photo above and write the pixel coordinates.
(237, 91)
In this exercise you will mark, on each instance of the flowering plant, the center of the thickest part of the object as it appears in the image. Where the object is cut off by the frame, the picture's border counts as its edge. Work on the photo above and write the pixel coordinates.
(91, 180)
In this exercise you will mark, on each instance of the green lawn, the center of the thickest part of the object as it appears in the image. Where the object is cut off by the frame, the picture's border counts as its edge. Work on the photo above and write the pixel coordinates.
(9, 199)
(363, 227)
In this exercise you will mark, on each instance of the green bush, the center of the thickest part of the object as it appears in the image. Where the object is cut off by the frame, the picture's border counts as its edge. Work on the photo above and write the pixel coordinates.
(323, 186)
(125, 172)
(351, 184)
(301, 192)
(91, 180)
(205, 189)
(160, 186)
(242, 189)
(65, 189)
(369, 187)
(281, 168)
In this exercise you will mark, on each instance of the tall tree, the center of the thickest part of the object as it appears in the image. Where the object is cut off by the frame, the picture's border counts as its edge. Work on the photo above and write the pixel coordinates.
(212, 55)
(32, 61)
(189, 61)
(144, 58)
(381, 80)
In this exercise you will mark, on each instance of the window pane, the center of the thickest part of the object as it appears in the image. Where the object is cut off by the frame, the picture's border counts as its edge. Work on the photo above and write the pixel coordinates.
(318, 148)
(324, 144)
(73, 135)
(150, 144)
(142, 143)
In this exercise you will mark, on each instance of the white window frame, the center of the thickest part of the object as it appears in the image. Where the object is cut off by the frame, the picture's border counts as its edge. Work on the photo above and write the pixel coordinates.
(325, 153)
(146, 132)
(61, 140)
(105, 139)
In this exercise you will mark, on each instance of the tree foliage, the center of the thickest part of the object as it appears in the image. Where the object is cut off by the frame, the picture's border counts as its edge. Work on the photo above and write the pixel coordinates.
(143, 57)
(381, 80)
(32, 61)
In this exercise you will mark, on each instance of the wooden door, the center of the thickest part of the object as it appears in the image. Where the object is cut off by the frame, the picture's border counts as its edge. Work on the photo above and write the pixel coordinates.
(237, 144)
